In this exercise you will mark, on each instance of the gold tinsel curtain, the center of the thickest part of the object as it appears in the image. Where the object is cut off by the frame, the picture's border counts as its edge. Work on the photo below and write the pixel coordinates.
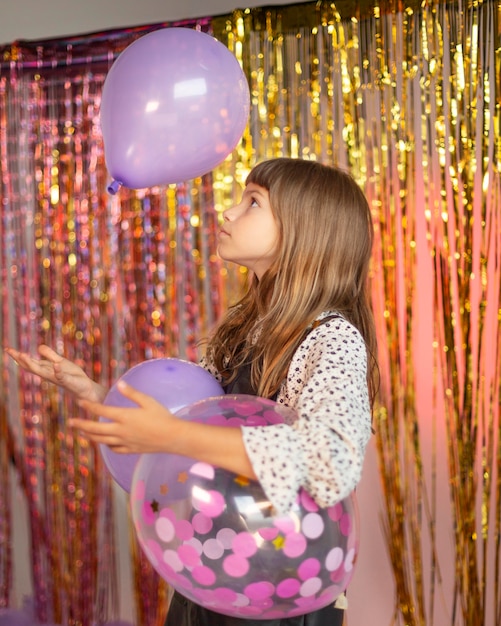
(407, 96)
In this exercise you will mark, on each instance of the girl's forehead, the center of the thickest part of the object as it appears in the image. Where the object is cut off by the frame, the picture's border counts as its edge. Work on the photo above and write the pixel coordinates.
(256, 189)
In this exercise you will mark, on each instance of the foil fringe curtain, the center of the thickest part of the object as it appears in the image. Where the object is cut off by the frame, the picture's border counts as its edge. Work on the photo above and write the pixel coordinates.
(407, 97)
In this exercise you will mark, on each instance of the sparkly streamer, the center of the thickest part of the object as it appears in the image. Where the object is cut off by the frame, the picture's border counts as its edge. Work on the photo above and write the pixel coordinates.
(405, 96)
(95, 277)
(416, 118)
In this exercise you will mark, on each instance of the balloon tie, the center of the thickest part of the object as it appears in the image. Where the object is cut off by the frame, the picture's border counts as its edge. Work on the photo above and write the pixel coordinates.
(113, 187)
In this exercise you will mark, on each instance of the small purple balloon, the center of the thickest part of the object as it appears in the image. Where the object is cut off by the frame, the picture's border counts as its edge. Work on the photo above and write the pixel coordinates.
(174, 105)
(172, 382)
(216, 538)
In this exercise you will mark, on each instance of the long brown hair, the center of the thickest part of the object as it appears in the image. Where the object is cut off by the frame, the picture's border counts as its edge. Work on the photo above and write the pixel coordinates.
(322, 263)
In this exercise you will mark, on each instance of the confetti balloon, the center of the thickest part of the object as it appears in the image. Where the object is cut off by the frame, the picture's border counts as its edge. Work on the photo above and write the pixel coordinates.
(174, 105)
(172, 382)
(216, 539)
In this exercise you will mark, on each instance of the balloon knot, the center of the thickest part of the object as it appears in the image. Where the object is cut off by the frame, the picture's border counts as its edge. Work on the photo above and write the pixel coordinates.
(113, 187)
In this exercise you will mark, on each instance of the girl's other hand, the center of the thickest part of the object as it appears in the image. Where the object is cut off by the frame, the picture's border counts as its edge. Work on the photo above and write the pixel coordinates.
(146, 427)
(54, 368)
(150, 427)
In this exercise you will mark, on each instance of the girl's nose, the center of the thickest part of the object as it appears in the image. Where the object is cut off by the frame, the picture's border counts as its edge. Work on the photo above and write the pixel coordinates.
(228, 214)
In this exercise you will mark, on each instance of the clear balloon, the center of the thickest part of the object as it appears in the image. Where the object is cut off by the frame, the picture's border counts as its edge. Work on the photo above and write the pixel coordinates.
(216, 538)
(174, 105)
(172, 382)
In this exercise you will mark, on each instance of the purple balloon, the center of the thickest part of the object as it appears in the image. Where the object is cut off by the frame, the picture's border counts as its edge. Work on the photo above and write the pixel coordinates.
(174, 105)
(216, 538)
(172, 382)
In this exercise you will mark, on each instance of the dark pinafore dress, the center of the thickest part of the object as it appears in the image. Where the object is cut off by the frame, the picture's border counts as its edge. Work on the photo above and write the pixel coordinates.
(184, 612)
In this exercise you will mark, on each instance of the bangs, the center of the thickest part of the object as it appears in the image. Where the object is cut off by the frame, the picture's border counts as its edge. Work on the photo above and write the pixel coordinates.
(264, 173)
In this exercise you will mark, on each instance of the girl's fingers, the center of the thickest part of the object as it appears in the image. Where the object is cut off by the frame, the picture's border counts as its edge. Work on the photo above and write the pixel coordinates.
(140, 398)
(16, 355)
(117, 413)
(99, 432)
(49, 354)
(91, 427)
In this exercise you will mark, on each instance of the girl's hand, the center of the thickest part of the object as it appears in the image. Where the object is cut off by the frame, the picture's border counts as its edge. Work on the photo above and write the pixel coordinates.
(148, 427)
(56, 369)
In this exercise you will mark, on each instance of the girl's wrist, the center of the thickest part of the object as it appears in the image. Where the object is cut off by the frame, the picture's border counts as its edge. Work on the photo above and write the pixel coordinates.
(97, 393)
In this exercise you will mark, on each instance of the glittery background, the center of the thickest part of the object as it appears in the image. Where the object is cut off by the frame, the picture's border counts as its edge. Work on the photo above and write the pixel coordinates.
(407, 96)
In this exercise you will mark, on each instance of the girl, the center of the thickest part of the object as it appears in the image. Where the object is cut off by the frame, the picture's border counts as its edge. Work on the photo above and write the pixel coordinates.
(303, 335)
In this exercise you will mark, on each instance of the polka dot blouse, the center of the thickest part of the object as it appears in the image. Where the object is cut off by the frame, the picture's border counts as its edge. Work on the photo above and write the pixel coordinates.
(323, 451)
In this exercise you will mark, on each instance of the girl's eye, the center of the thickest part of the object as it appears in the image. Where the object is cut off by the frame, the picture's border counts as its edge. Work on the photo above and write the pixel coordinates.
(253, 202)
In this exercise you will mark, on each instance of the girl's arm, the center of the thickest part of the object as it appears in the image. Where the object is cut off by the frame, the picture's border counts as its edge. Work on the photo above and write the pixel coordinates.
(150, 427)
(323, 451)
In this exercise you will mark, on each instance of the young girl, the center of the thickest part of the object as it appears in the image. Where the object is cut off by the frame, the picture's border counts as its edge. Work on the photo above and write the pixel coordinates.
(303, 335)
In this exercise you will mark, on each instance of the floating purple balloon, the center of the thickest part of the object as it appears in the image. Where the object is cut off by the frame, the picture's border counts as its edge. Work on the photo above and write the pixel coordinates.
(216, 539)
(174, 105)
(172, 382)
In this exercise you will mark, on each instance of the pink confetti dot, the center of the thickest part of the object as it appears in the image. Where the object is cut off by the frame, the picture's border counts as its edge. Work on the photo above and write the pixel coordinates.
(246, 407)
(165, 529)
(288, 587)
(263, 603)
(171, 557)
(259, 590)
(250, 611)
(334, 559)
(268, 534)
(213, 549)
(309, 604)
(338, 576)
(244, 544)
(204, 470)
(147, 513)
(203, 575)
(184, 530)
(241, 600)
(217, 420)
(312, 525)
(335, 512)
(201, 523)
(308, 568)
(307, 501)
(310, 587)
(210, 503)
(235, 422)
(345, 524)
(272, 417)
(168, 513)
(225, 536)
(285, 524)
(329, 594)
(256, 420)
(235, 565)
(294, 545)
(195, 543)
(154, 551)
(225, 595)
(189, 555)
(205, 597)
(349, 560)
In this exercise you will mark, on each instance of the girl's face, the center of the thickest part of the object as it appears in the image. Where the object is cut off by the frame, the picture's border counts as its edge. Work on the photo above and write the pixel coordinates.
(249, 234)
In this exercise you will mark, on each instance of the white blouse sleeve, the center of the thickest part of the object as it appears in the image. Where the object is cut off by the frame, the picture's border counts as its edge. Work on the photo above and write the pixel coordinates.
(323, 451)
